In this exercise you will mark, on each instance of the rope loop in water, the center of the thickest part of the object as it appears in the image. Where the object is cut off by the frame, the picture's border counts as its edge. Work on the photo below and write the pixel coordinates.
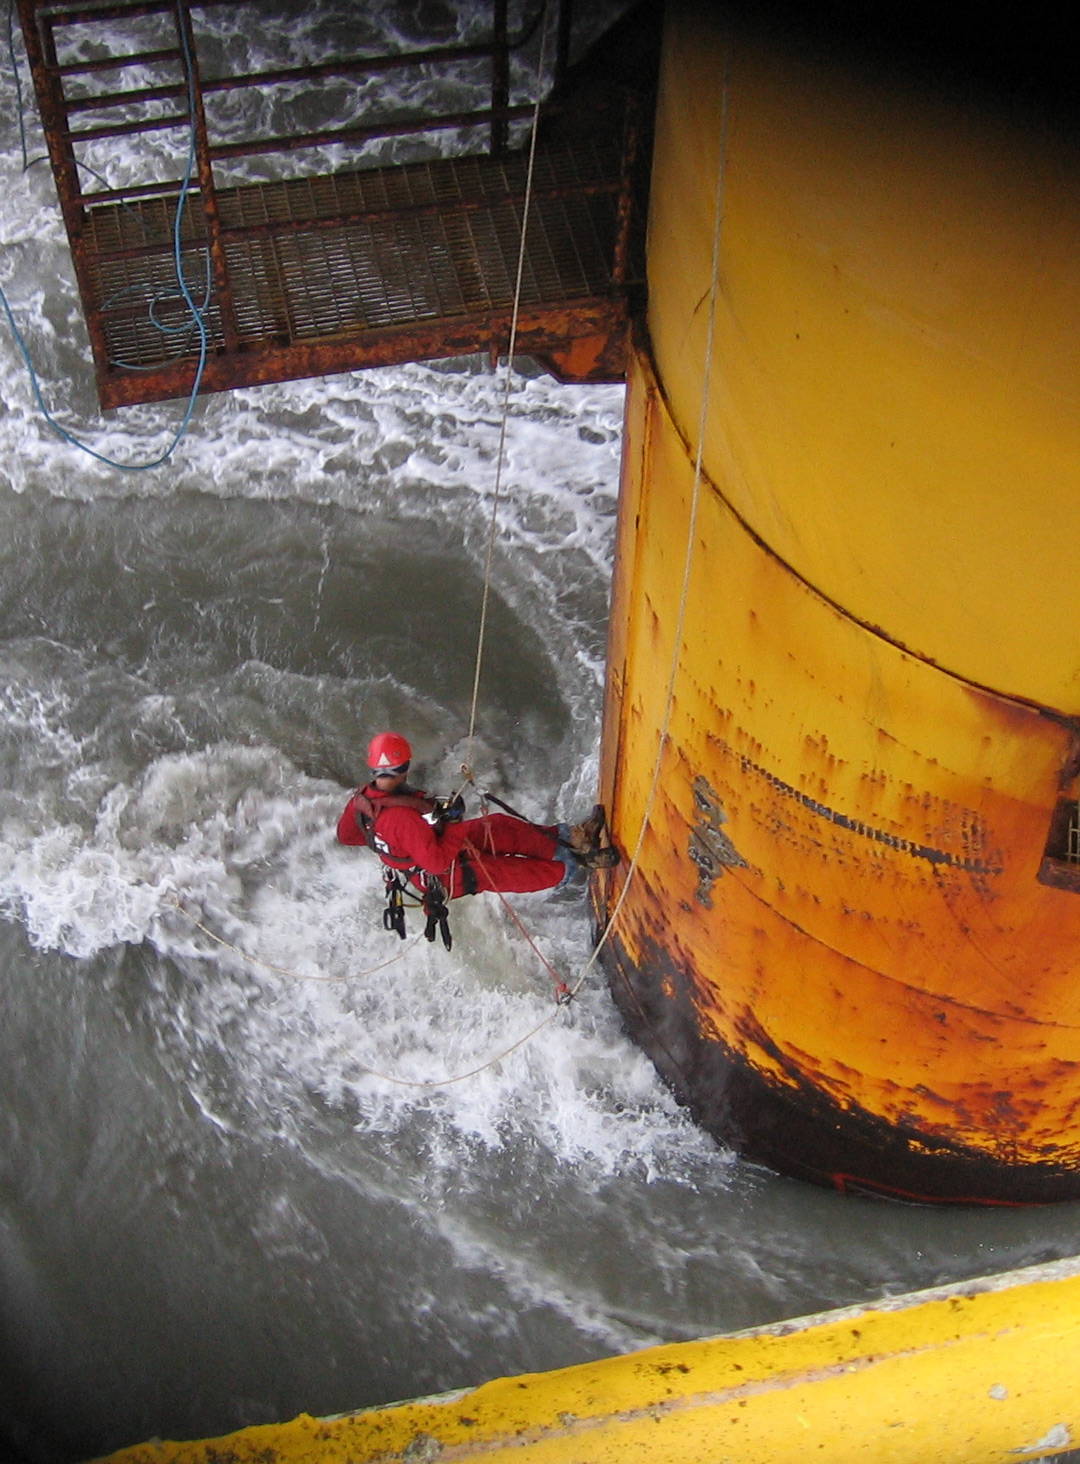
(385, 1077)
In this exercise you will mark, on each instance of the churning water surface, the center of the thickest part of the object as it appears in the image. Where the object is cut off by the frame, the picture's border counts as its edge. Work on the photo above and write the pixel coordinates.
(230, 1191)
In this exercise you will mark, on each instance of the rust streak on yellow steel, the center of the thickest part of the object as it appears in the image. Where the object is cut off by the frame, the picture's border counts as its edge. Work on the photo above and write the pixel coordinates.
(864, 852)
(985, 1371)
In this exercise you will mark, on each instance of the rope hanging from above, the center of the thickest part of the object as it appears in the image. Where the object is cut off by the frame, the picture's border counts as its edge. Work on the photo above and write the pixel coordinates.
(507, 382)
(564, 993)
(688, 552)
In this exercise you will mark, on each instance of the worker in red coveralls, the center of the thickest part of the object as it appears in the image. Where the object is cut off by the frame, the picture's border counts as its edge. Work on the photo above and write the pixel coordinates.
(413, 835)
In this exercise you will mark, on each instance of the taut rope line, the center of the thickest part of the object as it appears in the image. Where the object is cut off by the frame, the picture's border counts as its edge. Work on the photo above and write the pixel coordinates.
(688, 558)
(684, 596)
(507, 374)
(680, 624)
(691, 533)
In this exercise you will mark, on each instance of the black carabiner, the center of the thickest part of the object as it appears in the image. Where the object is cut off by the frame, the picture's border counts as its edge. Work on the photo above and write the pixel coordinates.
(438, 916)
(394, 914)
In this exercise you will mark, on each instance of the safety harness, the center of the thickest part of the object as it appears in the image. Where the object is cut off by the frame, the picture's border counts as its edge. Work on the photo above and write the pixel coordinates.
(401, 870)
(366, 811)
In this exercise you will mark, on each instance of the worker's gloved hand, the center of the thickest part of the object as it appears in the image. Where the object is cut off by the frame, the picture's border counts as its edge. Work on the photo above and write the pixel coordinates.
(444, 813)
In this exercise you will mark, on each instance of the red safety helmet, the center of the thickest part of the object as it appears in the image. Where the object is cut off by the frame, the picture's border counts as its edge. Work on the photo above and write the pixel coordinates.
(388, 750)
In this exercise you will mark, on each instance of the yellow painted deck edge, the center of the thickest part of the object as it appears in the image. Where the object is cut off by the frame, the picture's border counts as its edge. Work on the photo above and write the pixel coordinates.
(967, 1374)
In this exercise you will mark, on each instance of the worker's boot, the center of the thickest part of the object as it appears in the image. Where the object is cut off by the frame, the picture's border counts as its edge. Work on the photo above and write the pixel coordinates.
(589, 842)
(585, 836)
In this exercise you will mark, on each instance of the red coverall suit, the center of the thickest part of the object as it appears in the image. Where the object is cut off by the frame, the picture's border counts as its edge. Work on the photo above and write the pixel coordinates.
(501, 853)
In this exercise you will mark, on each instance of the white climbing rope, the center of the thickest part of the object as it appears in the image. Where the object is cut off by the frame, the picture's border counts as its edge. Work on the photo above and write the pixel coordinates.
(687, 572)
(691, 535)
(356, 976)
(507, 381)
(284, 970)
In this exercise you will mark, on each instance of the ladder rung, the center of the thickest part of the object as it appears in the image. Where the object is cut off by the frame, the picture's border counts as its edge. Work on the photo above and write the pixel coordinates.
(127, 129)
(116, 63)
(107, 12)
(120, 99)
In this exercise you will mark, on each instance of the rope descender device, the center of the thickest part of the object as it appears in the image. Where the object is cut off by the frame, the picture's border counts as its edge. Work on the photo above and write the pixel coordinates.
(434, 907)
(394, 914)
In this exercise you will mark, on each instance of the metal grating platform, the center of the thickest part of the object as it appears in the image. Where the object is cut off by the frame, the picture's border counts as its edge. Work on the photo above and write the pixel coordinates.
(312, 258)
(309, 275)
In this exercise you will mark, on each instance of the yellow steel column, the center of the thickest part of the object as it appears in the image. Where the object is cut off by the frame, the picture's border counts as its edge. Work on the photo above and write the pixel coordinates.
(852, 941)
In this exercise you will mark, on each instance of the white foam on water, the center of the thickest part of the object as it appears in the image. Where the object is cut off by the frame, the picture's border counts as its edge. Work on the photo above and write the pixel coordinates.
(384, 1041)
(163, 802)
(233, 838)
(241, 841)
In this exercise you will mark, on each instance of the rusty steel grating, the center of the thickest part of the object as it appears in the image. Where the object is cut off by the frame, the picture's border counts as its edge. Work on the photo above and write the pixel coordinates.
(301, 275)
(317, 257)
